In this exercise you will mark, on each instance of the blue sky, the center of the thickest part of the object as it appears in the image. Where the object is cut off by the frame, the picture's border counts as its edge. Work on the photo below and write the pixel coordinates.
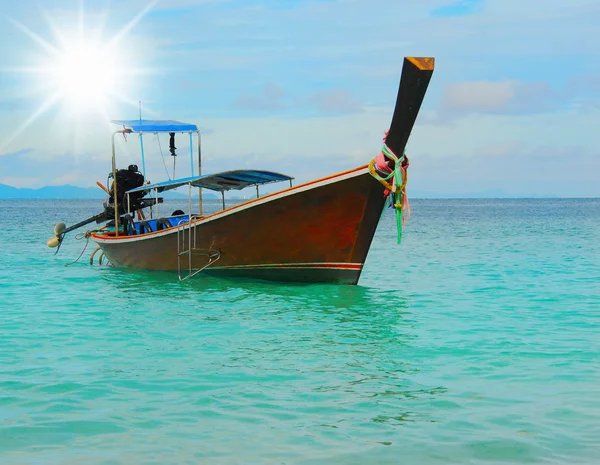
(307, 87)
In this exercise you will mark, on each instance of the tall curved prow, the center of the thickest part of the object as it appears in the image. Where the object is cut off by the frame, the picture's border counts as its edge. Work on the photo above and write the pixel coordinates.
(416, 74)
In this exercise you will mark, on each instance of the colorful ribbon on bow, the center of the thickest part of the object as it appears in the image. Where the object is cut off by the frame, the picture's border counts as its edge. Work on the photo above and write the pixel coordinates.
(394, 182)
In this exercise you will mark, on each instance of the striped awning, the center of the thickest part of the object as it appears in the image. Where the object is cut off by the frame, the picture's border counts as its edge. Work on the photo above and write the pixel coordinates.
(224, 181)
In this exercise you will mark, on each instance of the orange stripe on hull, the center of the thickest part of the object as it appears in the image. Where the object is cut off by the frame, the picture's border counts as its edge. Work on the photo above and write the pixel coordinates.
(318, 232)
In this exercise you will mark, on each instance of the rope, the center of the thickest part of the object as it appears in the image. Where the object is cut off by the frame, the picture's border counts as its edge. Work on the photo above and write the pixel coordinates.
(79, 237)
(86, 235)
(163, 157)
(394, 182)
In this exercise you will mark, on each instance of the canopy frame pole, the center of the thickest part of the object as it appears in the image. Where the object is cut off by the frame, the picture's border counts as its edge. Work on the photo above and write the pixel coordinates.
(191, 154)
(143, 159)
(190, 202)
(223, 197)
(199, 170)
(156, 190)
(114, 189)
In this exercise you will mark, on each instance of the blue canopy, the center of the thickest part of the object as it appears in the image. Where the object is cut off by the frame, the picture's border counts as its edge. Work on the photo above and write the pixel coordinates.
(224, 181)
(146, 125)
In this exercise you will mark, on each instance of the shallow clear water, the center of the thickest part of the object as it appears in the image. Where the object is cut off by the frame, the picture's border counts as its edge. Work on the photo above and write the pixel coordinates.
(475, 341)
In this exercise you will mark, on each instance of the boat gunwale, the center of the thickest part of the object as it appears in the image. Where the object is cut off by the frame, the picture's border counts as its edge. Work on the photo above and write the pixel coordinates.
(227, 211)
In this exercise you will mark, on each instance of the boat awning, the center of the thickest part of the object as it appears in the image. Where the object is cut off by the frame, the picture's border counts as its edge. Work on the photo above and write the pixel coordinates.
(146, 125)
(224, 181)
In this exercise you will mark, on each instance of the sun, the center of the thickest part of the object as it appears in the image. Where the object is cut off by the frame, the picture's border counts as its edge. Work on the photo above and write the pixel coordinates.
(86, 76)
(82, 69)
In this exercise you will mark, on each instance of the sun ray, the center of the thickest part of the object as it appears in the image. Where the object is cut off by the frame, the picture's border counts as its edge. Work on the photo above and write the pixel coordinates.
(24, 69)
(103, 19)
(81, 70)
(133, 103)
(131, 24)
(81, 19)
(32, 35)
(49, 103)
(55, 30)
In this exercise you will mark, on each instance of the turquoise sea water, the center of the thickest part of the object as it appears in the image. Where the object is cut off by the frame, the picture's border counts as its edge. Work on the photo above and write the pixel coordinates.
(476, 341)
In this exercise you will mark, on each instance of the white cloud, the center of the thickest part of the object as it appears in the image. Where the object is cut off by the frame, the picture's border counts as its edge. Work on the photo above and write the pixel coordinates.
(21, 181)
(270, 98)
(515, 79)
(510, 96)
(335, 101)
(478, 96)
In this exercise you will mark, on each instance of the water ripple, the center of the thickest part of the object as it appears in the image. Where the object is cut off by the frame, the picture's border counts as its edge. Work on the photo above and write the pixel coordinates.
(474, 342)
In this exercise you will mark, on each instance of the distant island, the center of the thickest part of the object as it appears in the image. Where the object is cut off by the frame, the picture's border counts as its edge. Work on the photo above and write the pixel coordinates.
(489, 194)
(73, 192)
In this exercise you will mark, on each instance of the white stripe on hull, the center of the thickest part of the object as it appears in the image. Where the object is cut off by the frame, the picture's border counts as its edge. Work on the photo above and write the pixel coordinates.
(236, 209)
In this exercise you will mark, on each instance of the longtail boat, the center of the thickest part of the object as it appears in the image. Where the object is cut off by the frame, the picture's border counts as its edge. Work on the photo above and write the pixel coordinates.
(319, 231)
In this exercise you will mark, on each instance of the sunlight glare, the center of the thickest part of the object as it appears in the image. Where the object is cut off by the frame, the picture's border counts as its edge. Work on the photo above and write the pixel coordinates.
(86, 76)
(83, 70)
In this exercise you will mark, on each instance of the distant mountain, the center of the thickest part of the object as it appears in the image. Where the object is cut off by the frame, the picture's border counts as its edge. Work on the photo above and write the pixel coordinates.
(71, 192)
(489, 194)
(74, 192)
(51, 192)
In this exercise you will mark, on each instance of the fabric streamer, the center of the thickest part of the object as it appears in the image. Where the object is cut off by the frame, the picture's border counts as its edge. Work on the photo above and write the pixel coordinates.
(394, 182)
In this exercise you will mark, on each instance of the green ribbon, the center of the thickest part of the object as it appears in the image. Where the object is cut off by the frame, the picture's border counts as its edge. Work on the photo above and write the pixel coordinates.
(397, 175)
(399, 216)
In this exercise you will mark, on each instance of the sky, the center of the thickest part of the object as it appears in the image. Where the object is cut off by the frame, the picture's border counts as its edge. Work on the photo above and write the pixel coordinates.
(305, 87)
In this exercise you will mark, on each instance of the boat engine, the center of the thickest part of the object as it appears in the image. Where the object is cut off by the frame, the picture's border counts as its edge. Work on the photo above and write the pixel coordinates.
(126, 179)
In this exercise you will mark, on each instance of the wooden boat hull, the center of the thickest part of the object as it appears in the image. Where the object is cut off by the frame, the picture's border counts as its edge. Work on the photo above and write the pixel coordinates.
(316, 232)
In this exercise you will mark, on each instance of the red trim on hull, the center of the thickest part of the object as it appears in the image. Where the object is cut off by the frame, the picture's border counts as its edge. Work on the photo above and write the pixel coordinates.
(317, 233)
(343, 266)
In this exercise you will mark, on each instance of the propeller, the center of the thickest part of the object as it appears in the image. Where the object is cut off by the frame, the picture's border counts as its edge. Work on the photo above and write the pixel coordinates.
(59, 234)
(61, 229)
